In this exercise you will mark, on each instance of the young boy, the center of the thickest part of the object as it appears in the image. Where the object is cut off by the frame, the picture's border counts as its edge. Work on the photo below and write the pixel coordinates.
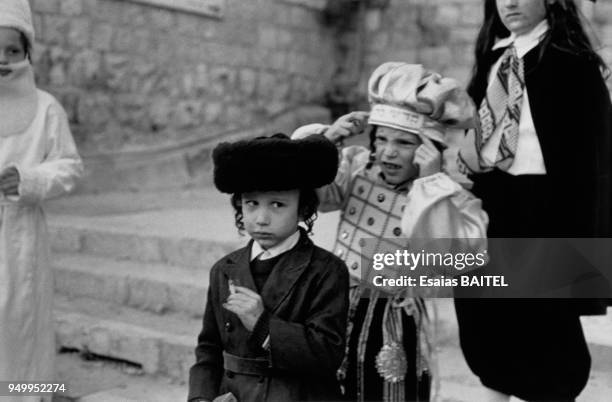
(393, 192)
(275, 317)
(38, 160)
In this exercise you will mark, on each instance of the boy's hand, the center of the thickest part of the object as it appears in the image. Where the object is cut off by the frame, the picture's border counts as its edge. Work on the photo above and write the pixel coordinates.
(346, 126)
(428, 158)
(9, 181)
(246, 304)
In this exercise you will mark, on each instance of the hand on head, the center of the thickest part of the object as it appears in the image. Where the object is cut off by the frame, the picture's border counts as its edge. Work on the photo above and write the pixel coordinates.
(428, 158)
(350, 124)
(9, 181)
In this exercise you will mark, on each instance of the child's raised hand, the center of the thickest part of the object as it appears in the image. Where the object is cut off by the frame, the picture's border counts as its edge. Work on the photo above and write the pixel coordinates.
(350, 124)
(246, 304)
(428, 158)
(9, 181)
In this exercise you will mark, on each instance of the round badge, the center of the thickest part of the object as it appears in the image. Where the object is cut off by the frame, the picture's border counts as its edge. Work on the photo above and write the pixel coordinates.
(381, 197)
(360, 190)
(354, 266)
(345, 234)
(391, 363)
(352, 211)
(370, 221)
(397, 231)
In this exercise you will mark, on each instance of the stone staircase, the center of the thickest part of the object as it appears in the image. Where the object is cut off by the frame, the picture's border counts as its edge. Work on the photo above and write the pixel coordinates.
(132, 296)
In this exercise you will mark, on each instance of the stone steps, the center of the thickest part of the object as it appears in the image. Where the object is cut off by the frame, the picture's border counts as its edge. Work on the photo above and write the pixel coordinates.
(94, 380)
(153, 287)
(184, 238)
(187, 252)
(132, 285)
(161, 344)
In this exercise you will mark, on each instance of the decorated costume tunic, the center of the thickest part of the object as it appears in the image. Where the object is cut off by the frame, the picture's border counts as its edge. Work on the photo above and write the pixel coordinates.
(383, 330)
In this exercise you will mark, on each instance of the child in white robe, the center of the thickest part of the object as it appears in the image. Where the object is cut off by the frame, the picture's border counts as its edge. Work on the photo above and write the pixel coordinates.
(38, 160)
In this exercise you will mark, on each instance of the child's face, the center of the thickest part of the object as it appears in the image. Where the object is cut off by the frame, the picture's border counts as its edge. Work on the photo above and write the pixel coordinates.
(395, 154)
(270, 217)
(11, 47)
(521, 16)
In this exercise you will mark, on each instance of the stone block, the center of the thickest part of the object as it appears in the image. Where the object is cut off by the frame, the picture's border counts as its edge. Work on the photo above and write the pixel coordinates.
(71, 8)
(96, 110)
(448, 15)
(102, 36)
(45, 6)
(213, 111)
(379, 41)
(160, 113)
(177, 358)
(79, 32)
(471, 15)
(373, 20)
(162, 18)
(265, 86)
(117, 71)
(55, 29)
(100, 287)
(267, 37)
(187, 114)
(278, 60)
(124, 41)
(222, 80)
(65, 239)
(85, 69)
(248, 81)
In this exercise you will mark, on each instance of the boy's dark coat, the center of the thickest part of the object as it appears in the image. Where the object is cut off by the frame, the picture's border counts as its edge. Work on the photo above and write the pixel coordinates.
(307, 298)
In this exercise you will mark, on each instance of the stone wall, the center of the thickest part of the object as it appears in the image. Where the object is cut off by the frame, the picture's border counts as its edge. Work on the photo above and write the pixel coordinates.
(150, 90)
(131, 75)
(440, 34)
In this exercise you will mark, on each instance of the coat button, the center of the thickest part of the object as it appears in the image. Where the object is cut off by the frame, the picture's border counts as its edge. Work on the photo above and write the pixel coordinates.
(370, 221)
(352, 210)
(229, 374)
(229, 327)
(397, 231)
(381, 197)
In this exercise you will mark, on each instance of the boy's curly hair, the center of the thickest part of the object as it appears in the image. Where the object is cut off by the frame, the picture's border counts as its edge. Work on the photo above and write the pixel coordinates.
(307, 209)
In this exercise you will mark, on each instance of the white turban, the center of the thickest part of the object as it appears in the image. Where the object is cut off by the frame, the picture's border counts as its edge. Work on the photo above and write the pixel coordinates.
(18, 15)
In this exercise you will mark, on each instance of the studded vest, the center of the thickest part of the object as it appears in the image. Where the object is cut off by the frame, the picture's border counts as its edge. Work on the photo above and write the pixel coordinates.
(369, 224)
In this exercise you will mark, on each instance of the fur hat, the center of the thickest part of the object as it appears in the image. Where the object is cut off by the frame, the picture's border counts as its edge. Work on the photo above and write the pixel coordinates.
(408, 97)
(274, 163)
(18, 15)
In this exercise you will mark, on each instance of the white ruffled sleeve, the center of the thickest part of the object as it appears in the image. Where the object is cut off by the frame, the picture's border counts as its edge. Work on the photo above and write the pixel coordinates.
(61, 167)
(437, 207)
(352, 160)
